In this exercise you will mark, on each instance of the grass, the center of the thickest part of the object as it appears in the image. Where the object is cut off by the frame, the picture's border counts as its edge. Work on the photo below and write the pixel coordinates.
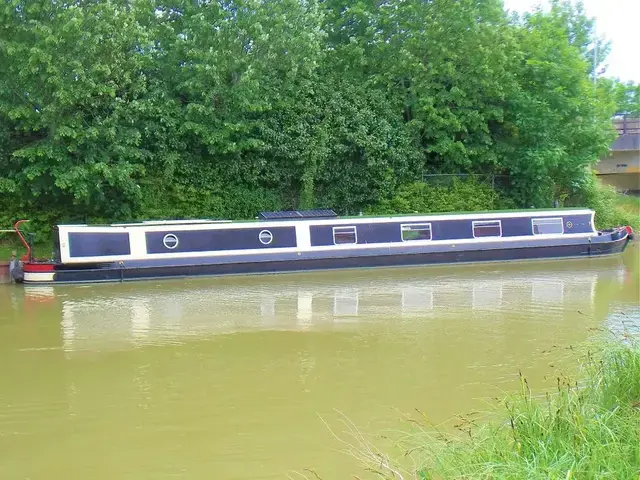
(7, 246)
(629, 206)
(584, 430)
(612, 208)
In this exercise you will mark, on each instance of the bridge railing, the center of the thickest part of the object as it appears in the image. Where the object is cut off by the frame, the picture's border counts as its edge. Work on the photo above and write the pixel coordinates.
(627, 125)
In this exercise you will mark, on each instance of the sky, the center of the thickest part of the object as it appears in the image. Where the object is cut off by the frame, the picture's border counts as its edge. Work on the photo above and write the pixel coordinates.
(617, 21)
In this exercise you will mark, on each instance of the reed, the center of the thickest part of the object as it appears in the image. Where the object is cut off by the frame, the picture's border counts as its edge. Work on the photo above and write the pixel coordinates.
(583, 430)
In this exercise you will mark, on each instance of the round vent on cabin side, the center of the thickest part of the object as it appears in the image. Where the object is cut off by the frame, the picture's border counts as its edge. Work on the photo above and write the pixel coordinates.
(265, 237)
(170, 241)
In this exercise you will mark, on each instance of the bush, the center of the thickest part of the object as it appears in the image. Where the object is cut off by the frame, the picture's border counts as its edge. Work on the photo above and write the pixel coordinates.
(182, 202)
(461, 195)
(612, 208)
(40, 223)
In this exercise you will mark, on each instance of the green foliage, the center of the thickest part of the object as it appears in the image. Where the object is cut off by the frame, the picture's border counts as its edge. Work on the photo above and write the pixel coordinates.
(71, 78)
(612, 209)
(41, 221)
(6, 249)
(461, 195)
(117, 110)
(560, 126)
(183, 202)
(625, 94)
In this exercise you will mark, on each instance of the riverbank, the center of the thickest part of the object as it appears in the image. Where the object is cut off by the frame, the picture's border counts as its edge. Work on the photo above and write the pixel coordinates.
(631, 206)
(586, 429)
(619, 208)
(6, 249)
(4, 272)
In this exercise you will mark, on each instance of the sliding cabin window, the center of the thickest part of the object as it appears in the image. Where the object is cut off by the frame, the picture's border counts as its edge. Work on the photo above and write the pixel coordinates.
(487, 228)
(344, 235)
(545, 226)
(415, 231)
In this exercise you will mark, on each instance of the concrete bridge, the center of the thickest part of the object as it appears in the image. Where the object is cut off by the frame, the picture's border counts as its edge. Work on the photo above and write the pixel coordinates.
(621, 168)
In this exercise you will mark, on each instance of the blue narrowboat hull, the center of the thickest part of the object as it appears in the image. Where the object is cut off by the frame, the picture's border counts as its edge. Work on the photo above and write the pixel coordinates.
(264, 263)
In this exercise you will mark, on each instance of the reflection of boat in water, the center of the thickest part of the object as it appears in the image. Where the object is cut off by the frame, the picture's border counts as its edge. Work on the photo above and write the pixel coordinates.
(167, 312)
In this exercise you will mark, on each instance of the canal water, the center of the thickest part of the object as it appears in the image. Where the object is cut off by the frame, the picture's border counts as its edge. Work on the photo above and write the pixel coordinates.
(240, 378)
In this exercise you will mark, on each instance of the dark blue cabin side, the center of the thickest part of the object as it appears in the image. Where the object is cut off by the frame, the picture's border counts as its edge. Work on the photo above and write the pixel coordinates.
(322, 235)
(577, 224)
(453, 229)
(171, 241)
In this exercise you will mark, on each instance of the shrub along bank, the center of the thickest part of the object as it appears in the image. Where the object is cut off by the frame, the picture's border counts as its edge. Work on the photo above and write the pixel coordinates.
(612, 208)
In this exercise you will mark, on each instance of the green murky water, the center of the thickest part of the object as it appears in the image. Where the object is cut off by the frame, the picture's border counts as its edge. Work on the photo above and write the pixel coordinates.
(232, 378)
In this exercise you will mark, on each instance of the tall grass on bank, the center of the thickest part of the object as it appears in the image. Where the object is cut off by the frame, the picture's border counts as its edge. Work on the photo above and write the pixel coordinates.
(612, 208)
(630, 205)
(584, 430)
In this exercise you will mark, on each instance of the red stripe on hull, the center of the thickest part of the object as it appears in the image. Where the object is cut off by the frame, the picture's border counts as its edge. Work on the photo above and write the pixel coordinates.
(38, 267)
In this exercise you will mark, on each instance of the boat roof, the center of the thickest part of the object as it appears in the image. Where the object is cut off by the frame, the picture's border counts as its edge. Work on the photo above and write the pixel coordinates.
(323, 219)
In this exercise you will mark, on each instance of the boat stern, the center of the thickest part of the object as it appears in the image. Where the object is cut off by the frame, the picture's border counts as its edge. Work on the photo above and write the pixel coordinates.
(38, 272)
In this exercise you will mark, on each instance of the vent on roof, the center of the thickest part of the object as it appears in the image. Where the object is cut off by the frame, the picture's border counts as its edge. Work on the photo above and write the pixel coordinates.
(287, 215)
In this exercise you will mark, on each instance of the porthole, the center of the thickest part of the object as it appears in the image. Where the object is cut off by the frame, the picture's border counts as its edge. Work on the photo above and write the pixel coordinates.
(170, 241)
(265, 237)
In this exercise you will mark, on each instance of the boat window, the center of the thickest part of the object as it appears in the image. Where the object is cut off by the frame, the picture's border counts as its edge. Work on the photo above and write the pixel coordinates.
(488, 228)
(265, 237)
(542, 226)
(416, 231)
(342, 235)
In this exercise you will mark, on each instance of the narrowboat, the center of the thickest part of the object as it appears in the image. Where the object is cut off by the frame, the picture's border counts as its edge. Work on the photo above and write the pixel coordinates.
(294, 241)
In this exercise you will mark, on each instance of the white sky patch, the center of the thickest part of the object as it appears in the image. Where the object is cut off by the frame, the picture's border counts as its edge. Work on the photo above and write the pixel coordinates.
(617, 21)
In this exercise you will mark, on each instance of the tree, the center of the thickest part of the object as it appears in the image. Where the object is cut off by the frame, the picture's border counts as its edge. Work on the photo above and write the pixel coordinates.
(71, 77)
(626, 95)
(556, 125)
(180, 108)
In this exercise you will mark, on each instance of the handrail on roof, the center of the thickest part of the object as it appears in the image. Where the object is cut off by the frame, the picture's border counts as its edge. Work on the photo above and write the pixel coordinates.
(168, 222)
